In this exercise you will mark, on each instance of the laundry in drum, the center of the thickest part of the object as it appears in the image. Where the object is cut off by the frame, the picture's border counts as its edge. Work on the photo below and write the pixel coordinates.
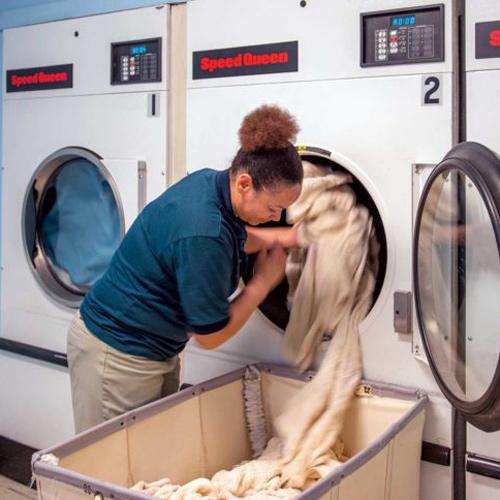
(80, 223)
(304, 446)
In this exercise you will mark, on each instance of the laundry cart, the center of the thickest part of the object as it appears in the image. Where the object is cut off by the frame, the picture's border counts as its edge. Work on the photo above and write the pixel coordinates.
(203, 429)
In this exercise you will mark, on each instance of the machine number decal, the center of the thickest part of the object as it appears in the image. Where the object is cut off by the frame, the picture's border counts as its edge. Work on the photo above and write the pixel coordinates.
(87, 489)
(431, 89)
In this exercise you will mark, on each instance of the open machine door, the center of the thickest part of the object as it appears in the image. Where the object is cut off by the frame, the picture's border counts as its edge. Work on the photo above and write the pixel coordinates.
(456, 268)
(76, 211)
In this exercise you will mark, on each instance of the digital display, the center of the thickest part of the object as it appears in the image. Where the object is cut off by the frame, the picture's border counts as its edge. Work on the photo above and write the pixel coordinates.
(136, 61)
(137, 50)
(403, 21)
(403, 36)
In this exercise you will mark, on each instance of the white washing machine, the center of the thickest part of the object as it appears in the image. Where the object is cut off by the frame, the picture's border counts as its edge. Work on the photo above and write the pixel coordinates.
(375, 89)
(368, 119)
(84, 148)
(482, 80)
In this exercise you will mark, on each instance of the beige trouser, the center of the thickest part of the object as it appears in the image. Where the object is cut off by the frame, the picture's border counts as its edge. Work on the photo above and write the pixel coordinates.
(106, 382)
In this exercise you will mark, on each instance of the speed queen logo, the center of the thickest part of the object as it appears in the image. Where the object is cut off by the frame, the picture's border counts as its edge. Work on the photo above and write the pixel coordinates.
(249, 60)
(40, 78)
(487, 40)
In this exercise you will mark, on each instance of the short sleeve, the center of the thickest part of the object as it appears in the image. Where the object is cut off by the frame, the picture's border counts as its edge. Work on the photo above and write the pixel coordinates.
(203, 269)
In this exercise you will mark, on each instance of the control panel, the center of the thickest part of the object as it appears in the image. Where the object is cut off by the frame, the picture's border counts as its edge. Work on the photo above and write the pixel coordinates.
(403, 36)
(137, 61)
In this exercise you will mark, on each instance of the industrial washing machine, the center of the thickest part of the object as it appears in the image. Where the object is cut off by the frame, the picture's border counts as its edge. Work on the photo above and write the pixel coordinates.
(85, 146)
(378, 89)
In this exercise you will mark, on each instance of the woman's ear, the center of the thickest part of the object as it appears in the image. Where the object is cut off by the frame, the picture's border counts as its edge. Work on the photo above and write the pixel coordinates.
(244, 183)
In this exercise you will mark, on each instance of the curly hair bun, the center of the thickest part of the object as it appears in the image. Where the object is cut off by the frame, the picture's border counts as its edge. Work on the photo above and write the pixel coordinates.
(267, 128)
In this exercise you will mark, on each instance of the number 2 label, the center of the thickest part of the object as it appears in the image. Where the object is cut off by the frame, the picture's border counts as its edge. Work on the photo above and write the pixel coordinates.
(431, 89)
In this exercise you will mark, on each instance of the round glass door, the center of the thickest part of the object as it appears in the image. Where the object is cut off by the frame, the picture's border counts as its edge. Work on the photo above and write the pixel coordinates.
(73, 223)
(457, 280)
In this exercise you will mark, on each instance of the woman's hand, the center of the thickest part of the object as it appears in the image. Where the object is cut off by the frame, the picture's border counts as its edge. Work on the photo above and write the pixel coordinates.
(269, 268)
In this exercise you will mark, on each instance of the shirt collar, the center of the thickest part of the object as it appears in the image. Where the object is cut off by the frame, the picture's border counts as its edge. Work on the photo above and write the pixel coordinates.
(224, 191)
(223, 187)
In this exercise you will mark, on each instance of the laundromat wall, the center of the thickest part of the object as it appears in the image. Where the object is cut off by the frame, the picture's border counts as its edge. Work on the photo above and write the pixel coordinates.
(36, 405)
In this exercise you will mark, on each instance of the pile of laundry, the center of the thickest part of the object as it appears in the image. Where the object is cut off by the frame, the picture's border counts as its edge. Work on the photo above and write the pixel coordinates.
(258, 479)
(331, 282)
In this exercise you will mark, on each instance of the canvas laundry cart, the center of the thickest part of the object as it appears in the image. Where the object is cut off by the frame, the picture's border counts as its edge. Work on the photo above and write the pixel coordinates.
(203, 429)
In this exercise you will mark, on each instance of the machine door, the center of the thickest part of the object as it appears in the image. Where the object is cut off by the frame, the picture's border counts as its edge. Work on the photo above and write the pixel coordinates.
(275, 307)
(456, 267)
(74, 220)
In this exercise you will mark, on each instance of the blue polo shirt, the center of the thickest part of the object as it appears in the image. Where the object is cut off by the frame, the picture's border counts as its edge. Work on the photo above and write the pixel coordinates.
(173, 272)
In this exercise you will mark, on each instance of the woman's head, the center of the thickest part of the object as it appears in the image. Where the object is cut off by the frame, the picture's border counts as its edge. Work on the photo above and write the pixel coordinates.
(266, 174)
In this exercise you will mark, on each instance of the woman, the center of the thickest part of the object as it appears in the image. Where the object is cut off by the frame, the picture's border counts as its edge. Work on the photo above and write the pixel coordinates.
(171, 277)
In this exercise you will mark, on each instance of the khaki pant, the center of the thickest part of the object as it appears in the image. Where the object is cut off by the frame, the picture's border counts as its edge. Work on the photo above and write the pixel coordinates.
(106, 382)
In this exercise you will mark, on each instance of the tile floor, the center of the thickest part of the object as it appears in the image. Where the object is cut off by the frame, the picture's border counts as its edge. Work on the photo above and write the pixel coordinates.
(11, 490)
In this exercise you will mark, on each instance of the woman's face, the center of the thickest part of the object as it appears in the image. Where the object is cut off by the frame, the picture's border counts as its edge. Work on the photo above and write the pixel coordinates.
(256, 207)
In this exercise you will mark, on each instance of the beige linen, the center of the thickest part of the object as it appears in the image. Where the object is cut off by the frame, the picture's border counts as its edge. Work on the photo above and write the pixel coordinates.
(333, 295)
(258, 479)
(341, 258)
(106, 382)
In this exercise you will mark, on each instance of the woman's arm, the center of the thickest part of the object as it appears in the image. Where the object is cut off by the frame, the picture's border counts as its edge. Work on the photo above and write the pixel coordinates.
(269, 271)
(241, 309)
(262, 238)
